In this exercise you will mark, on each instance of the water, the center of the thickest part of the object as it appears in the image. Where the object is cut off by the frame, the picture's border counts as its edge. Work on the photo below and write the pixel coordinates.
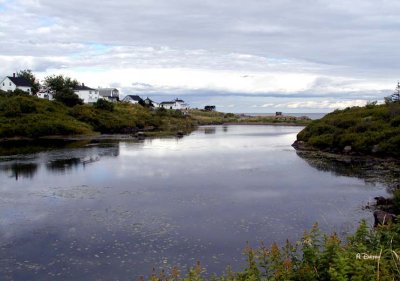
(312, 116)
(115, 210)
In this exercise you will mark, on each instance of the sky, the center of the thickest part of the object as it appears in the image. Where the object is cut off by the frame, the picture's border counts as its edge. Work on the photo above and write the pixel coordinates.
(250, 56)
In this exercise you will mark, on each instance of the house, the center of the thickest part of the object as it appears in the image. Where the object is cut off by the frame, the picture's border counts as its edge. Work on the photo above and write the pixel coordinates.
(209, 108)
(45, 93)
(177, 104)
(151, 103)
(11, 83)
(109, 94)
(88, 95)
(132, 99)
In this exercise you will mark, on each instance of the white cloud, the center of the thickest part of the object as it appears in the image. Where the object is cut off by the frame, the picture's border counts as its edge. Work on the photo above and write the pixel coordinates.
(288, 49)
(324, 104)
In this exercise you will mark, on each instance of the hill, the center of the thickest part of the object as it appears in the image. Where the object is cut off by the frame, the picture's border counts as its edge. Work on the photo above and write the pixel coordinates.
(24, 116)
(370, 130)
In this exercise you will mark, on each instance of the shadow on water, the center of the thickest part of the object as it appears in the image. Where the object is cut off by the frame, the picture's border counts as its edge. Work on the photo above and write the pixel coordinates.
(369, 169)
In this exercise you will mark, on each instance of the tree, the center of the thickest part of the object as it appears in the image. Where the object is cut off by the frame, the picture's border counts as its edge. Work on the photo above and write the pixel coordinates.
(59, 83)
(28, 75)
(63, 87)
(395, 97)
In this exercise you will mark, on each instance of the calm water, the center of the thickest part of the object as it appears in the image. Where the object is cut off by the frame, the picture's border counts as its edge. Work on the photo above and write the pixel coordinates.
(115, 210)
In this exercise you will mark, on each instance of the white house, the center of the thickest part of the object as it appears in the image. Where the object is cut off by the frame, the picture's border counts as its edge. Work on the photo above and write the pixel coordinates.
(11, 83)
(88, 95)
(45, 93)
(132, 99)
(109, 94)
(151, 103)
(176, 104)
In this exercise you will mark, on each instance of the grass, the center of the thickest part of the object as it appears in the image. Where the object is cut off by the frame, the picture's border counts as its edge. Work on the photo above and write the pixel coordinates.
(370, 130)
(23, 116)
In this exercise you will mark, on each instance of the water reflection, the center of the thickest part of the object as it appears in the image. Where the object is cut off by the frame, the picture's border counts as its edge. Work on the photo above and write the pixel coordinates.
(17, 170)
(370, 170)
(209, 130)
(69, 156)
(109, 211)
(23, 147)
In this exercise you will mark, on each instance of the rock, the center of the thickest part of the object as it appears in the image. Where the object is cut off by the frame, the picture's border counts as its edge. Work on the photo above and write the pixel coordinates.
(347, 149)
(375, 148)
(140, 135)
(180, 134)
(382, 201)
(383, 218)
(298, 144)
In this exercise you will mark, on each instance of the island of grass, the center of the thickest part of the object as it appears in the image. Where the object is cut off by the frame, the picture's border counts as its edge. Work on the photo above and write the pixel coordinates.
(371, 130)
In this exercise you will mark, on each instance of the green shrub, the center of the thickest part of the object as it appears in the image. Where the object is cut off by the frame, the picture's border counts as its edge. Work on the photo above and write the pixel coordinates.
(104, 105)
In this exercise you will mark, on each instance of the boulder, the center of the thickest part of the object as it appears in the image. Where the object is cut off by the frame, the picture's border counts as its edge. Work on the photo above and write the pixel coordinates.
(382, 218)
(382, 201)
(298, 144)
(347, 149)
(375, 148)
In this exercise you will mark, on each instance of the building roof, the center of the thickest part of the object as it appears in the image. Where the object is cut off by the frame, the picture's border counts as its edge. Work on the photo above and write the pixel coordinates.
(108, 92)
(83, 88)
(178, 100)
(168, 102)
(20, 81)
(133, 97)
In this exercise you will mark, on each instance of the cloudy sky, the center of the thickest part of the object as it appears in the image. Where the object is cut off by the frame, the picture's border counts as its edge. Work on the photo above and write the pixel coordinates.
(240, 55)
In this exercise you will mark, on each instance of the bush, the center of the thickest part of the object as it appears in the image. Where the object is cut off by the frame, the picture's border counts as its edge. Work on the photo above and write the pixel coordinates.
(104, 105)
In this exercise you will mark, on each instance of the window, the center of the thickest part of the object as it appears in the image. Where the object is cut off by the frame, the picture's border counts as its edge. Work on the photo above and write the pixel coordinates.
(4, 84)
(10, 83)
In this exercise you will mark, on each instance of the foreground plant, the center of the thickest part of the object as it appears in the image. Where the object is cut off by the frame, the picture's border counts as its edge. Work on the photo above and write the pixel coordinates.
(369, 254)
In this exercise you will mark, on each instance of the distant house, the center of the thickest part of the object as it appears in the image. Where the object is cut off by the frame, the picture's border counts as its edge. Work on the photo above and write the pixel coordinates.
(109, 94)
(45, 93)
(11, 83)
(176, 104)
(151, 103)
(132, 99)
(209, 108)
(88, 95)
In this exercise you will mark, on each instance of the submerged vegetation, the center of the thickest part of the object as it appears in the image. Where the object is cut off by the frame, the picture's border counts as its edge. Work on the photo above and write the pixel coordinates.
(370, 130)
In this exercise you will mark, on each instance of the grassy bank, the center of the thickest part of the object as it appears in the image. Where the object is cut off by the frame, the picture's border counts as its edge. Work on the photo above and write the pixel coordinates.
(23, 116)
(369, 130)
